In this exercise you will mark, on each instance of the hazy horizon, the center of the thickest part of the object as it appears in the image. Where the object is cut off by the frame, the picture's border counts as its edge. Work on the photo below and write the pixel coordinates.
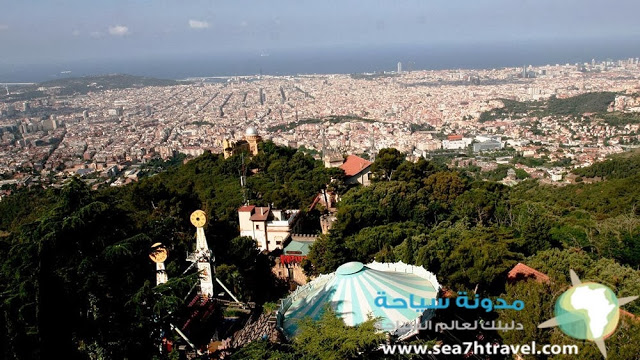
(174, 39)
(356, 59)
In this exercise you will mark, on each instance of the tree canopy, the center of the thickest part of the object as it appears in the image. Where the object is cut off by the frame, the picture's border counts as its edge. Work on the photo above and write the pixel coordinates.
(75, 273)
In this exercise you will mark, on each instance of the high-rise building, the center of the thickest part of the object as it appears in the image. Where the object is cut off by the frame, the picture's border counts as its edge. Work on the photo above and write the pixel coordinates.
(399, 67)
(50, 124)
(115, 111)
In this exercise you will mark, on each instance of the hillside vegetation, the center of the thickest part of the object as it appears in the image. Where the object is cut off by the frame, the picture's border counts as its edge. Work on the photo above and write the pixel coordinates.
(75, 276)
(596, 102)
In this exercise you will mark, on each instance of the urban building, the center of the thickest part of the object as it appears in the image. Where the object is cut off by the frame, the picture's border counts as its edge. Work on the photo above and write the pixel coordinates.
(248, 143)
(269, 227)
(487, 145)
(357, 170)
(288, 265)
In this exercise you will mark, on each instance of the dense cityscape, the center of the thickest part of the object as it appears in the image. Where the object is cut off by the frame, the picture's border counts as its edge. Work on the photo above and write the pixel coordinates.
(105, 135)
(336, 180)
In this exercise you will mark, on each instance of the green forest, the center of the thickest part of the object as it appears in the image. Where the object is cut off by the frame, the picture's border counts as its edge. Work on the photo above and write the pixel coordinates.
(75, 274)
(593, 102)
(86, 84)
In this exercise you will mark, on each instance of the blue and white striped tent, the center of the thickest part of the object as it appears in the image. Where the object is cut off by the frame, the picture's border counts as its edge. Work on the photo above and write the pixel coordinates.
(351, 291)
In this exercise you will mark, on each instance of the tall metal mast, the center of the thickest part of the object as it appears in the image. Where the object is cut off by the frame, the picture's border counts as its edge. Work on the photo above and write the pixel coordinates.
(243, 181)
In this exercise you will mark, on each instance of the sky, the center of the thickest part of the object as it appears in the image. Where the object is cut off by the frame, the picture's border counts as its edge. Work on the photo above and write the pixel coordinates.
(40, 31)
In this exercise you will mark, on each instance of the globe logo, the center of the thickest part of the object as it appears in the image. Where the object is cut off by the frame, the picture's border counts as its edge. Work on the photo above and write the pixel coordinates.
(587, 311)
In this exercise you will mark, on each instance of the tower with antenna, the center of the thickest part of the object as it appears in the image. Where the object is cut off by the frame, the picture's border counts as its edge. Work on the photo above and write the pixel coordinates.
(372, 148)
(323, 136)
(243, 181)
(202, 256)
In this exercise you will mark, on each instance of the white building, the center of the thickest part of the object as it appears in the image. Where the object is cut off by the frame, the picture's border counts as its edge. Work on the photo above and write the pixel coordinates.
(555, 175)
(429, 145)
(269, 227)
(483, 138)
(456, 144)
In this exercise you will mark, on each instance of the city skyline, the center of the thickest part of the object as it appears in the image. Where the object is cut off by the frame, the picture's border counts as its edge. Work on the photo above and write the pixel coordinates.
(347, 165)
(334, 61)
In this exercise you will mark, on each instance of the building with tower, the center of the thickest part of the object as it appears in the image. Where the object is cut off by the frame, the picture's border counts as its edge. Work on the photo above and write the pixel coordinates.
(249, 143)
(399, 67)
(202, 256)
(269, 227)
(252, 137)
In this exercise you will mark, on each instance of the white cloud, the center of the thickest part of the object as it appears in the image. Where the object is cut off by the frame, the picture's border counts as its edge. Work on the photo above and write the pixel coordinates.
(95, 34)
(3, 27)
(196, 24)
(118, 30)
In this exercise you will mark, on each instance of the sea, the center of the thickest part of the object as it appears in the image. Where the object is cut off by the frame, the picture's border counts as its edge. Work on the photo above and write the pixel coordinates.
(338, 60)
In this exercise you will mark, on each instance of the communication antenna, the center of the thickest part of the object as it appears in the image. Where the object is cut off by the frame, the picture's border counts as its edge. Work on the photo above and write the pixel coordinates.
(372, 149)
(324, 141)
(243, 180)
(158, 255)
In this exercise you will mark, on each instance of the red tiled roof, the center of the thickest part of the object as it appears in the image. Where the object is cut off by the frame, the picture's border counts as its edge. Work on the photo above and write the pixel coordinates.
(354, 164)
(523, 272)
(454, 137)
(261, 214)
(246, 208)
(316, 200)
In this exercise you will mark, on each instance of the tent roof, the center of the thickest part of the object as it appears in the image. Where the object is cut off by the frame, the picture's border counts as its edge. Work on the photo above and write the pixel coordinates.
(351, 291)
